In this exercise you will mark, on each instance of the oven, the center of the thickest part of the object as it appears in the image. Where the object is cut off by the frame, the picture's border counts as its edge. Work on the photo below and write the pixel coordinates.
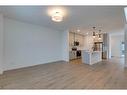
(78, 53)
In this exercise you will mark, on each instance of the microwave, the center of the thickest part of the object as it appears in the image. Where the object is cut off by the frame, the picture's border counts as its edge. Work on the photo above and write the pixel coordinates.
(76, 43)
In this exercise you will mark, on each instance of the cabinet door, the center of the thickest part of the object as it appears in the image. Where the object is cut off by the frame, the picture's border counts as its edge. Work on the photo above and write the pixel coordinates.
(72, 54)
(80, 40)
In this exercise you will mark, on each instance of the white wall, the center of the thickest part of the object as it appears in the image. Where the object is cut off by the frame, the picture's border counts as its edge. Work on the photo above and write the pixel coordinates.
(1, 44)
(125, 36)
(125, 44)
(65, 45)
(27, 44)
(115, 44)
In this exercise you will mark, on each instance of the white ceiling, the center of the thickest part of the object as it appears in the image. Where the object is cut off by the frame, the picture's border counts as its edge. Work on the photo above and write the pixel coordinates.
(107, 18)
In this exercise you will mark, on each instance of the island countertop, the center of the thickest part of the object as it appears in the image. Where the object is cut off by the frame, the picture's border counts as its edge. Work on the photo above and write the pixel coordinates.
(90, 51)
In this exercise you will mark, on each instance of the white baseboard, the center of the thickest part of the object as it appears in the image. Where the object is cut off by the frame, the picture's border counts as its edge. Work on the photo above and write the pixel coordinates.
(29, 66)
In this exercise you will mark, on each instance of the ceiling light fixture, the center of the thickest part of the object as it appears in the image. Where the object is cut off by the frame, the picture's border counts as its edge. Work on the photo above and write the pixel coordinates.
(57, 17)
(57, 14)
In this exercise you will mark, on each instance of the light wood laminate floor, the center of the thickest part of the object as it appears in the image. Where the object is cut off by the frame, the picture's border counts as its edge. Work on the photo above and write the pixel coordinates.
(108, 74)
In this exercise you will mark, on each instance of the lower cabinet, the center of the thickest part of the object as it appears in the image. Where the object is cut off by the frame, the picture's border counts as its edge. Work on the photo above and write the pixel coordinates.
(72, 55)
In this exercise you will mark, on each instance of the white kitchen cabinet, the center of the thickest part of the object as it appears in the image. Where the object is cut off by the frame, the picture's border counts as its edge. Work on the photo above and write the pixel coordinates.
(91, 57)
(75, 37)
(72, 55)
(78, 37)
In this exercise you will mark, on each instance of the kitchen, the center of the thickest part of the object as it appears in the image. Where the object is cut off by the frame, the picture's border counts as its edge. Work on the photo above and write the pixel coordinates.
(89, 47)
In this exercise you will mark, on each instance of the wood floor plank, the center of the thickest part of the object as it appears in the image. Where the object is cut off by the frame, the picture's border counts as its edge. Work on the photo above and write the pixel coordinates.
(108, 74)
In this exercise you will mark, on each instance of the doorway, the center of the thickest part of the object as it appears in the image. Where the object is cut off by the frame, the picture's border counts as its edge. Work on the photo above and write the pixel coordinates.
(117, 45)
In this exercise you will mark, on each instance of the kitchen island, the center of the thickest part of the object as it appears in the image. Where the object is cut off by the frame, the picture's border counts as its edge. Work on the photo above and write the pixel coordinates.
(91, 57)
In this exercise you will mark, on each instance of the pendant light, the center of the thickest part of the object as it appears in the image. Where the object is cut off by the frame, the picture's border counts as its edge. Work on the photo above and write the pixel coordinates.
(99, 34)
(94, 32)
(74, 39)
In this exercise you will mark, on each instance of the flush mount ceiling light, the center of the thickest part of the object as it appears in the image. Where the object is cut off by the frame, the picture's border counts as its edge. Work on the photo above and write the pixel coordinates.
(57, 13)
(57, 17)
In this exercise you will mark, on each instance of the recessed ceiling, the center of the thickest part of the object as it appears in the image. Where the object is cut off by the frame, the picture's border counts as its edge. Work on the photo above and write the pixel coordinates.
(107, 18)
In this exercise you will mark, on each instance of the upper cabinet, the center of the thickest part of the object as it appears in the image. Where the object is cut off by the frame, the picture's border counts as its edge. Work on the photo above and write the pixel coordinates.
(78, 38)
